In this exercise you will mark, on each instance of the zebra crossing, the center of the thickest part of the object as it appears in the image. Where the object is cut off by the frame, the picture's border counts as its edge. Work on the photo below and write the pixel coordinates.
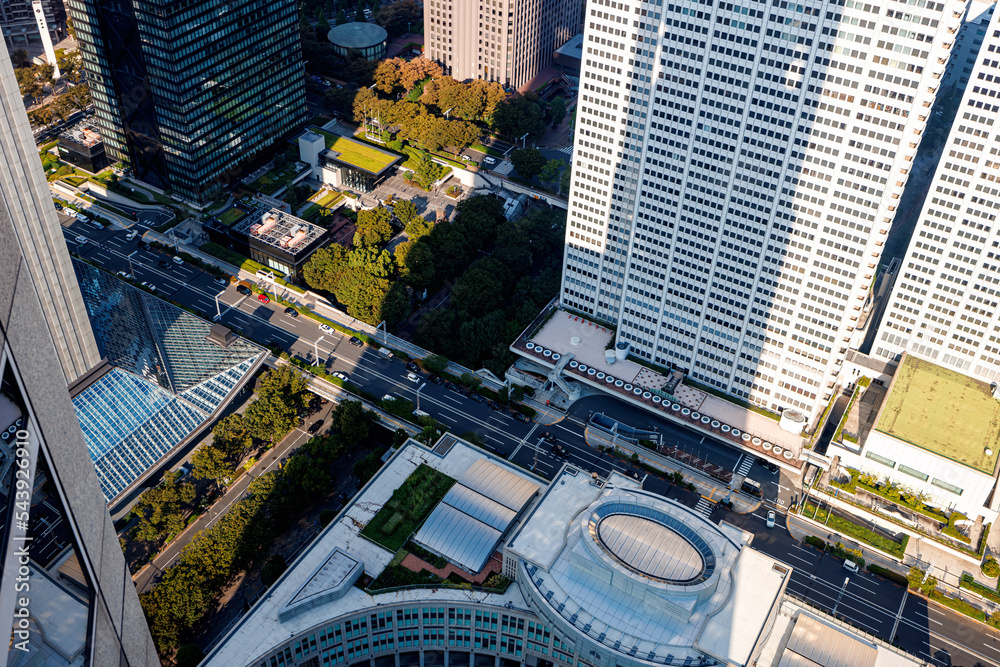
(568, 150)
(744, 467)
(704, 507)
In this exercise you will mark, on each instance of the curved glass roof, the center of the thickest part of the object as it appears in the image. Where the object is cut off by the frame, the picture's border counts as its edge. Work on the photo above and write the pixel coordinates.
(650, 548)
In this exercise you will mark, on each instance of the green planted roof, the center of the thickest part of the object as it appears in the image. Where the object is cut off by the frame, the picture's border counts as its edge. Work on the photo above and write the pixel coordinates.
(356, 153)
(944, 412)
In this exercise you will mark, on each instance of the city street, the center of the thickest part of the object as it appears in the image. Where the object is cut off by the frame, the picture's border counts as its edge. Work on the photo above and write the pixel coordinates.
(870, 603)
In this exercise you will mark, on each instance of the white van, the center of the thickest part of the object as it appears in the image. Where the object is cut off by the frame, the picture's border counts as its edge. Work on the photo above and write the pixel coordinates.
(385, 353)
(851, 566)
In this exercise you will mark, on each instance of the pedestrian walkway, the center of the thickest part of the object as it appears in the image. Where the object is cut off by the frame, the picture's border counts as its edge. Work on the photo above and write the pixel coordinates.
(743, 469)
(704, 507)
(568, 150)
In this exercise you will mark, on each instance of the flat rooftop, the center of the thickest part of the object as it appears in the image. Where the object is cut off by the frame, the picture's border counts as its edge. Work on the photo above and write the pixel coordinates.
(944, 412)
(280, 230)
(356, 153)
(566, 333)
(261, 629)
(85, 135)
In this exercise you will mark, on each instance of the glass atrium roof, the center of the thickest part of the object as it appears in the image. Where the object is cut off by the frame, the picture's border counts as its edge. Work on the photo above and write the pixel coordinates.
(167, 378)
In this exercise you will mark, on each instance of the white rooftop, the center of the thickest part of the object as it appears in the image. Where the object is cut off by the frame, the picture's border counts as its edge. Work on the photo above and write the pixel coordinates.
(649, 547)
(260, 629)
(564, 329)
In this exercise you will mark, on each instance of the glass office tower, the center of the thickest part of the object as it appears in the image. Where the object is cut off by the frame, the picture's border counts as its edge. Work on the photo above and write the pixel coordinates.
(187, 92)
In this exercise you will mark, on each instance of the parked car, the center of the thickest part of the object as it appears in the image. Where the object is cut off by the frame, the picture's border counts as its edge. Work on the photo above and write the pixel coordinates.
(341, 375)
(356, 342)
(326, 328)
(466, 158)
(547, 437)
(496, 407)
(489, 159)
(770, 519)
(412, 367)
(178, 260)
(522, 418)
(243, 289)
(221, 282)
(413, 377)
(437, 379)
(560, 451)
(124, 274)
(263, 298)
(316, 426)
(143, 245)
(150, 286)
(291, 312)
(478, 398)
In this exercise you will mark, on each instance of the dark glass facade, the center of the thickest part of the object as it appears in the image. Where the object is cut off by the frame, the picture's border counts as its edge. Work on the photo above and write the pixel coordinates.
(188, 91)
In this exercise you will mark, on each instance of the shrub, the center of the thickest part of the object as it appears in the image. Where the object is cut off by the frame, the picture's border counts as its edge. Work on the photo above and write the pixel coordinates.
(991, 568)
(816, 542)
(886, 573)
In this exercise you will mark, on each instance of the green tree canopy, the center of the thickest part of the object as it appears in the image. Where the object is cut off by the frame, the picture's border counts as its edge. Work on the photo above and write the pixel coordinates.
(233, 436)
(528, 162)
(353, 421)
(557, 109)
(518, 116)
(551, 170)
(210, 463)
(326, 267)
(374, 227)
(160, 509)
(405, 211)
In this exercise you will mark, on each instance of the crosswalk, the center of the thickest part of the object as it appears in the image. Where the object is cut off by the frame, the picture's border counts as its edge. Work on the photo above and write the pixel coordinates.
(704, 507)
(568, 150)
(744, 467)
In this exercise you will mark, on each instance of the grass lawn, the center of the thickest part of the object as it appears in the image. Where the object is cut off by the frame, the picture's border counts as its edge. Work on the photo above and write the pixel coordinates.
(356, 153)
(329, 199)
(409, 506)
(232, 216)
(944, 412)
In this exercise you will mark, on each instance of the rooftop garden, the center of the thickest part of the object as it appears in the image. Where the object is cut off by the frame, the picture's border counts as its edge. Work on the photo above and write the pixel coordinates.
(275, 179)
(944, 412)
(409, 506)
(356, 153)
(232, 216)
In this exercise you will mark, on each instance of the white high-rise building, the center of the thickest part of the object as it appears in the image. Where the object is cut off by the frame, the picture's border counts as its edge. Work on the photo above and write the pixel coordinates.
(736, 169)
(944, 305)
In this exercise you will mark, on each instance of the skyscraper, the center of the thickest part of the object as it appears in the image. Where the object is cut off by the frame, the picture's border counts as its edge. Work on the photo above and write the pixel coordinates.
(28, 203)
(735, 172)
(944, 305)
(186, 93)
(65, 589)
(509, 41)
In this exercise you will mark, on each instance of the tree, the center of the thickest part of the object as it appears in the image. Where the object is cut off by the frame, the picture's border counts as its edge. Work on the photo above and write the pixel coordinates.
(188, 655)
(417, 70)
(519, 116)
(387, 75)
(528, 162)
(558, 111)
(322, 27)
(480, 289)
(435, 363)
(374, 227)
(371, 260)
(326, 268)
(564, 182)
(160, 509)
(353, 421)
(363, 295)
(19, 56)
(340, 99)
(416, 263)
(359, 13)
(427, 172)
(405, 211)
(233, 436)
(210, 463)
(341, 17)
(551, 170)
(45, 73)
(273, 569)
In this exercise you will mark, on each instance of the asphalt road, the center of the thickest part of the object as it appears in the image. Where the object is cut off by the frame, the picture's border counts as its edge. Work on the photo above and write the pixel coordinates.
(871, 603)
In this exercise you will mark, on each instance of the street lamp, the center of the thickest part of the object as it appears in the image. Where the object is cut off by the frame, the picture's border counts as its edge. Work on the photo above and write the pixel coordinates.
(316, 347)
(418, 394)
(524, 139)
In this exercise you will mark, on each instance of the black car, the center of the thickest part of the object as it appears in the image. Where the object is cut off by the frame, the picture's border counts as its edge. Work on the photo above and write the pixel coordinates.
(356, 342)
(291, 312)
(454, 387)
(560, 451)
(522, 418)
(243, 289)
(316, 426)
(436, 379)
(478, 398)
(143, 245)
(496, 406)
(548, 437)
(166, 266)
(412, 367)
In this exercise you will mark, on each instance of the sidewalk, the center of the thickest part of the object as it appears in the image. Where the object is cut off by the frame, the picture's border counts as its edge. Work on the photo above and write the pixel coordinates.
(710, 489)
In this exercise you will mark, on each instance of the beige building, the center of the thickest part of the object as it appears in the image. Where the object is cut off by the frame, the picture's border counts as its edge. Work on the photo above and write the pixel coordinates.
(509, 41)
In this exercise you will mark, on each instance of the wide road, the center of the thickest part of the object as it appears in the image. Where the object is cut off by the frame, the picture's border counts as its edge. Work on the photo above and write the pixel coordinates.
(871, 603)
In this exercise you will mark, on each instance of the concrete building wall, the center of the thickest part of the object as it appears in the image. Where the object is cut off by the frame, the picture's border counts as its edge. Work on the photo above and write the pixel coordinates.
(25, 198)
(735, 172)
(509, 41)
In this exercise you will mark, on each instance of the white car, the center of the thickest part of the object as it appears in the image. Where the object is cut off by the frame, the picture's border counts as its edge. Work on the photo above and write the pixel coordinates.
(326, 328)
(131, 235)
(124, 274)
(770, 519)
(341, 375)
(71, 212)
(81, 240)
(489, 159)
(466, 158)
(150, 286)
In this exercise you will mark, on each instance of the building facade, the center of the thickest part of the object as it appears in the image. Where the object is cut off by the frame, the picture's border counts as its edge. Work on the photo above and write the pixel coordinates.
(24, 194)
(187, 94)
(735, 173)
(943, 307)
(81, 605)
(20, 27)
(509, 41)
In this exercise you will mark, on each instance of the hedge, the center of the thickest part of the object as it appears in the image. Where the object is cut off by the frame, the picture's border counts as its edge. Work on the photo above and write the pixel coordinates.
(857, 532)
(886, 573)
(989, 593)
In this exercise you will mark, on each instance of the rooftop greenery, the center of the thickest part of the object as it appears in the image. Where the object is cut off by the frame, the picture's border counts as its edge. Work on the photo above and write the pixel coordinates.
(356, 153)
